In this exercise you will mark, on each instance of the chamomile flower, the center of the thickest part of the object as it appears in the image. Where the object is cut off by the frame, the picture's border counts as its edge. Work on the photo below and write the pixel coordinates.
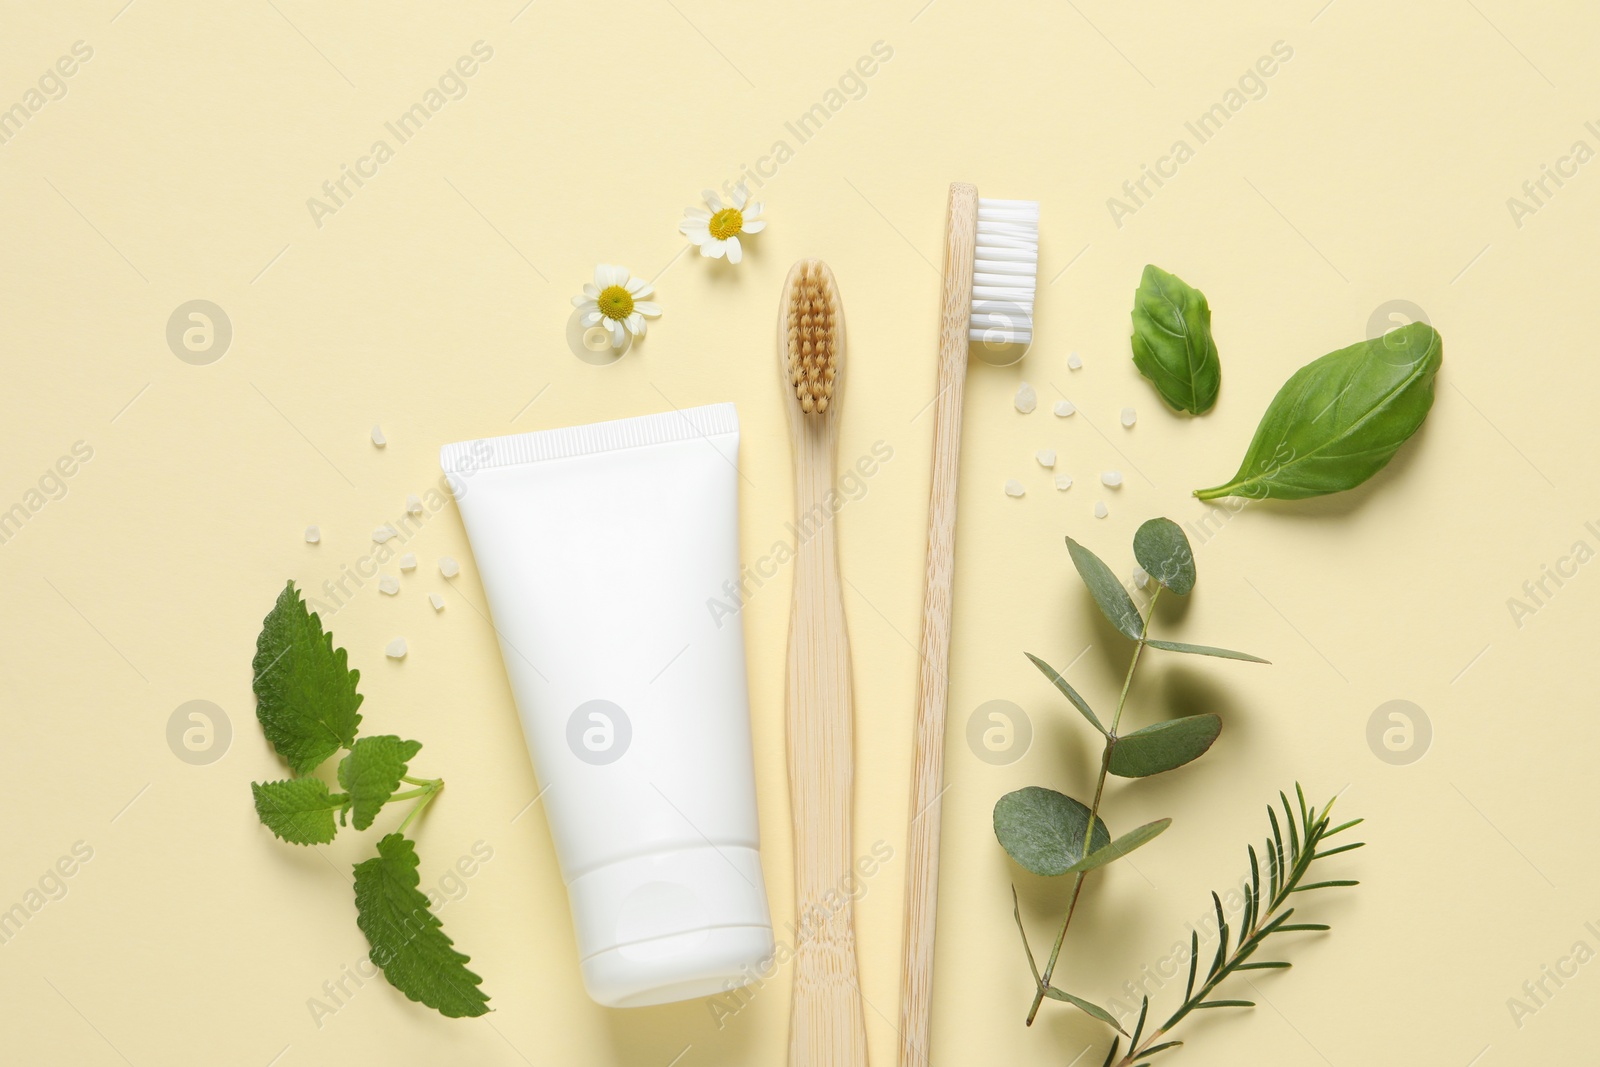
(718, 230)
(616, 302)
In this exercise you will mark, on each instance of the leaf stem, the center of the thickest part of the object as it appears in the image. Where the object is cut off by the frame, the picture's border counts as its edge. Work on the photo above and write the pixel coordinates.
(426, 793)
(1094, 809)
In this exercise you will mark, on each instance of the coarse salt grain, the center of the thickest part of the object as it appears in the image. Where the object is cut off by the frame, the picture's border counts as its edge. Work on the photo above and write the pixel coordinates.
(413, 504)
(1014, 488)
(1100, 509)
(1128, 417)
(395, 649)
(437, 601)
(1026, 399)
(408, 562)
(388, 584)
(1111, 479)
(377, 436)
(1063, 482)
(384, 533)
(1073, 362)
(1064, 408)
(1046, 457)
(313, 534)
(448, 567)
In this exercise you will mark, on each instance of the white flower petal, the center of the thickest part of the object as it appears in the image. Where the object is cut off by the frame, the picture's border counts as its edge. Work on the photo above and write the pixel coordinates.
(713, 248)
(580, 301)
(619, 333)
(646, 307)
(713, 201)
(755, 226)
(601, 273)
(644, 290)
(753, 210)
(590, 291)
(697, 213)
(636, 324)
(696, 230)
(735, 250)
(590, 318)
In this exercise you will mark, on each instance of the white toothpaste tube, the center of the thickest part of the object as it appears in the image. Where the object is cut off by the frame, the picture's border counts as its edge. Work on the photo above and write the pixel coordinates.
(599, 547)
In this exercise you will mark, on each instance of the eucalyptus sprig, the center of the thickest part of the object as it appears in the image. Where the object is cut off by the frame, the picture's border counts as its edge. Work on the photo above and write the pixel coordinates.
(1052, 834)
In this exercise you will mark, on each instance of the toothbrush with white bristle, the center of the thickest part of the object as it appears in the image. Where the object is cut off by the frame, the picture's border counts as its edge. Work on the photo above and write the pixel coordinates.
(991, 275)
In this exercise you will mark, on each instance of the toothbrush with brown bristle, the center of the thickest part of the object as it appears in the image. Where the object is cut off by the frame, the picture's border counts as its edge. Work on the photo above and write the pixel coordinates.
(991, 268)
(826, 1027)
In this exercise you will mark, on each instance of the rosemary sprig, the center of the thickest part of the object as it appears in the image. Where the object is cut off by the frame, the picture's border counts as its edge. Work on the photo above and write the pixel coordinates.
(1263, 915)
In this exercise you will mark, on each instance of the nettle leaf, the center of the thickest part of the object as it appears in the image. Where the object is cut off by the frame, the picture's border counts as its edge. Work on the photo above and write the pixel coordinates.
(298, 810)
(371, 772)
(306, 697)
(1121, 846)
(1066, 690)
(1107, 590)
(1204, 650)
(1164, 746)
(1339, 419)
(1043, 830)
(407, 939)
(1172, 343)
(1163, 551)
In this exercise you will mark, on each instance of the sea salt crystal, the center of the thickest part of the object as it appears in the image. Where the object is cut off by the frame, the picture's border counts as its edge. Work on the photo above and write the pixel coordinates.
(1014, 488)
(1100, 509)
(1111, 479)
(1046, 457)
(1026, 399)
(1063, 482)
(449, 567)
(384, 533)
(1128, 417)
(378, 438)
(413, 504)
(408, 562)
(395, 649)
(313, 534)
(437, 601)
(1073, 362)
(1064, 408)
(388, 584)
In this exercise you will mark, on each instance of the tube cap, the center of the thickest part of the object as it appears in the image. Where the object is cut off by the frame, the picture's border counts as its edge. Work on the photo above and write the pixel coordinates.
(671, 926)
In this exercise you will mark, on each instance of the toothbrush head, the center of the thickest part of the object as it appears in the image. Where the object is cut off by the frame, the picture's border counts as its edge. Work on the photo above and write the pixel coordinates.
(1005, 272)
(814, 325)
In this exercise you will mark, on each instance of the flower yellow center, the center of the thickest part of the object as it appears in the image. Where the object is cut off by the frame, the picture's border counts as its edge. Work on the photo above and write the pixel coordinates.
(615, 302)
(727, 223)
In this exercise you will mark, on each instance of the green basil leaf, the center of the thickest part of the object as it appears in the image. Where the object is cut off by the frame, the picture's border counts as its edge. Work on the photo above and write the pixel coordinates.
(1163, 551)
(1205, 650)
(1067, 691)
(1088, 1006)
(1121, 846)
(1043, 830)
(1163, 746)
(1172, 343)
(1107, 590)
(1339, 419)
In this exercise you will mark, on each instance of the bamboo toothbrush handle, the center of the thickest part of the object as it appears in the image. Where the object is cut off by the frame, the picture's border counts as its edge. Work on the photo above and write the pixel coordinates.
(927, 776)
(826, 1027)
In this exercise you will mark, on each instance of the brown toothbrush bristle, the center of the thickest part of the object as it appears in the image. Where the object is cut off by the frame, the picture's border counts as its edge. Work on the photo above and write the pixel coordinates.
(813, 348)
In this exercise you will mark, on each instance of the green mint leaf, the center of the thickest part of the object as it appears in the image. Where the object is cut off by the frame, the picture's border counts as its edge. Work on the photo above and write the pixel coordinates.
(298, 810)
(1172, 343)
(1043, 830)
(1121, 846)
(1107, 590)
(1066, 690)
(1339, 419)
(407, 939)
(1163, 551)
(1204, 650)
(306, 697)
(372, 771)
(1164, 746)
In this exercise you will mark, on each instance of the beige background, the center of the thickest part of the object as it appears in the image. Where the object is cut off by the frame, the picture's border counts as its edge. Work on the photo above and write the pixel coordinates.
(1376, 166)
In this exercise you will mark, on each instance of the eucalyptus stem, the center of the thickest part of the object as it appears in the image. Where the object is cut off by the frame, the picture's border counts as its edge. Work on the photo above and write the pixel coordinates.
(1094, 808)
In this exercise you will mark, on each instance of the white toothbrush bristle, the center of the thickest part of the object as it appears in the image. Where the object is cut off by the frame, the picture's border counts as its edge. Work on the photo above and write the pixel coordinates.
(1005, 272)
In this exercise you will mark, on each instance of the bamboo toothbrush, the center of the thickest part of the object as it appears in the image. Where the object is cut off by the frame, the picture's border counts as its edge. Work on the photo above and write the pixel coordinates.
(991, 268)
(826, 1027)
